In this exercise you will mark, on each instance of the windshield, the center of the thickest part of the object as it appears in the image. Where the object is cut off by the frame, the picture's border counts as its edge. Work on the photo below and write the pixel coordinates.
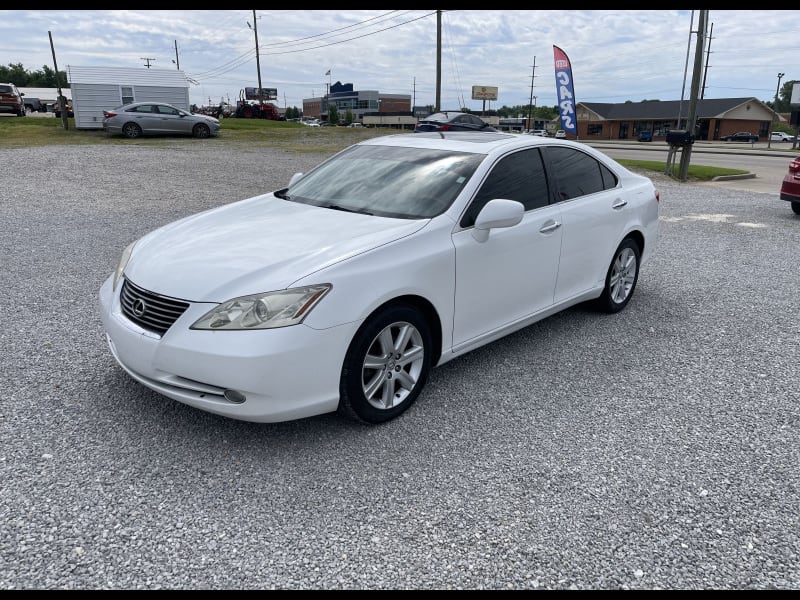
(388, 181)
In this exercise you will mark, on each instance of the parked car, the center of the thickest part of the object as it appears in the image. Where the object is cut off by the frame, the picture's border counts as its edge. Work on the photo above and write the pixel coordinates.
(645, 136)
(539, 132)
(561, 134)
(34, 104)
(790, 187)
(740, 136)
(781, 136)
(393, 256)
(157, 118)
(11, 100)
(452, 121)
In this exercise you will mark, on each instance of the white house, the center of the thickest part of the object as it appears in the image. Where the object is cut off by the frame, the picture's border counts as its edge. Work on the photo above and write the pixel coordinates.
(95, 89)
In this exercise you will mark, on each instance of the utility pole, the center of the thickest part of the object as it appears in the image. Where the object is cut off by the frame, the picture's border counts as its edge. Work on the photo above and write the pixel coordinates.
(177, 60)
(686, 152)
(61, 104)
(530, 104)
(708, 55)
(147, 61)
(685, 69)
(438, 61)
(258, 59)
(775, 108)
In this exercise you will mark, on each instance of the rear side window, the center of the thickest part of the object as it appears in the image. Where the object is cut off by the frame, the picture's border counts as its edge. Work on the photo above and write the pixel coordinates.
(577, 174)
(519, 176)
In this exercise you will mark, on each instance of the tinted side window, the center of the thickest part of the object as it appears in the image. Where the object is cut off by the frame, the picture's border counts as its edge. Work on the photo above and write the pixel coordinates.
(520, 176)
(577, 174)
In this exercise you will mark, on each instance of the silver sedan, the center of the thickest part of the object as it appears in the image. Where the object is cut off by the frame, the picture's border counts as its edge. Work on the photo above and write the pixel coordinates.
(157, 118)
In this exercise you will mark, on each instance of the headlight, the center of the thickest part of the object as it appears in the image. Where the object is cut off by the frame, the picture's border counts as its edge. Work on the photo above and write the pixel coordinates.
(123, 261)
(264, 311)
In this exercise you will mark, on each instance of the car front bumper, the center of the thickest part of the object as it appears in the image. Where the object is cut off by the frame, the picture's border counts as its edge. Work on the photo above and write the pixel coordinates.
(283, 374)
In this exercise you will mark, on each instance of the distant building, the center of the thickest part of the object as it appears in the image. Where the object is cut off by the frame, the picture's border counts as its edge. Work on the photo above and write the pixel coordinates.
(358, 102)
(715, 118)
(95, 89)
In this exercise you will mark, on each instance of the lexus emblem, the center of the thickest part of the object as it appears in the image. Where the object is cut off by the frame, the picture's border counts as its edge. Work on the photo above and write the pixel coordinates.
(139, 307)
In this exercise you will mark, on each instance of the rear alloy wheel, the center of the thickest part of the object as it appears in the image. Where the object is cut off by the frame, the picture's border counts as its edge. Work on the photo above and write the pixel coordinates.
(201, 130)
(623, 273)
(386, 366)
(131, 130)
(796, 207)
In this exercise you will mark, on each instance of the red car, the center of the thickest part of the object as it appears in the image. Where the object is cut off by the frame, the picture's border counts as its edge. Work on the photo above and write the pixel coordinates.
(790, 188)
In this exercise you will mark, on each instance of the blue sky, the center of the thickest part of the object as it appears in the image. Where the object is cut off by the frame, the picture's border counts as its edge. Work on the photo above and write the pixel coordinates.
(616, 55)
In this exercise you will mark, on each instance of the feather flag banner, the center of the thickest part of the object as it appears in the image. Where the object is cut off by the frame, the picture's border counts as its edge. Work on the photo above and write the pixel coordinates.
(565, 92)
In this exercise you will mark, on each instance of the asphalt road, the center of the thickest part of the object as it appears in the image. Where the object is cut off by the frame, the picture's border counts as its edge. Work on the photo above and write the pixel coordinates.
(655, 448)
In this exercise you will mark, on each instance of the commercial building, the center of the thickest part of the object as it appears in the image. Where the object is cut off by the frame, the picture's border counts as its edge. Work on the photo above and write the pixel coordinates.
(358, 102)
(714, 118)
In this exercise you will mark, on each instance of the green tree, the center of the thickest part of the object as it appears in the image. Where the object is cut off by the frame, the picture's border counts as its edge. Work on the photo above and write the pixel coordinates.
(333, 114)
(348, 117)
(45, 77)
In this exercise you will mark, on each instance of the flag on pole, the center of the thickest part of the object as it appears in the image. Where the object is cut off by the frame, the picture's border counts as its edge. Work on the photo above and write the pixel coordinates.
(565, 92)
(328, 72)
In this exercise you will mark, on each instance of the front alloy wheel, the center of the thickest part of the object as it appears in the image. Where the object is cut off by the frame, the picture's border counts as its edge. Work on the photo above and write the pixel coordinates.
(386, 366)
(202, 131)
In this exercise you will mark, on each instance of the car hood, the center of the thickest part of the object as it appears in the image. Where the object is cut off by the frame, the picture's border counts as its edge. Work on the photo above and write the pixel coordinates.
(256, 245)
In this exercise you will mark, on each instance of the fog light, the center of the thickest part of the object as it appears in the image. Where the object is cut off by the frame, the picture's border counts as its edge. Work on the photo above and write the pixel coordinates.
(234, 396)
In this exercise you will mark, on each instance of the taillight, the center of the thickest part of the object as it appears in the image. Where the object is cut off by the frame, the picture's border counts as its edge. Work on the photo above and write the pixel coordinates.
(108, 114)
(658, 196)
(794, 166)
(445, 127)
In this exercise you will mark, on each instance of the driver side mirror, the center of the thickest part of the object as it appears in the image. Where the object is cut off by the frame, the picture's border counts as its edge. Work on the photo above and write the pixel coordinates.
(497, 213)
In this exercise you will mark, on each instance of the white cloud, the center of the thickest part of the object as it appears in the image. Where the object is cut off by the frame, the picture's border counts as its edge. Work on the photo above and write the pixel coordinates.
(616, 55)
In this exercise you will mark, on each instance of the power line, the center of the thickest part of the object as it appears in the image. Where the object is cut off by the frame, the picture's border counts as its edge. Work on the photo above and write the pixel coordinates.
(247, 56)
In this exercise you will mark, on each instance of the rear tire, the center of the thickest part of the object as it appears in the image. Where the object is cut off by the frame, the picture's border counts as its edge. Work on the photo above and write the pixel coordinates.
(386, 366)
(621, 278)
(796, 207)
(131, 130)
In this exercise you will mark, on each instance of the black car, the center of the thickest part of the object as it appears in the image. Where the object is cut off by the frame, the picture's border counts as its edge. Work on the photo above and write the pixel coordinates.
(740, 136)
(452, 121)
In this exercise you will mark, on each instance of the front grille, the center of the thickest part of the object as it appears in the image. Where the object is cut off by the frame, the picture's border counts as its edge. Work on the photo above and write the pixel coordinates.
(148, 310)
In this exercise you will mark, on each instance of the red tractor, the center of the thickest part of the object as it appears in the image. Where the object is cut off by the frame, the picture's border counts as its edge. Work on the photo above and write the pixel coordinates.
(247, 109)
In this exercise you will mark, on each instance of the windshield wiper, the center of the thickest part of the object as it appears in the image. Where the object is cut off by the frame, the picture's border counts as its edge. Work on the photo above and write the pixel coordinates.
(345, 209)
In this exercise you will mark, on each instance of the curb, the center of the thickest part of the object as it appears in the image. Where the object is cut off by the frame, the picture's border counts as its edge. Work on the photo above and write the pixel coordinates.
(734, 177)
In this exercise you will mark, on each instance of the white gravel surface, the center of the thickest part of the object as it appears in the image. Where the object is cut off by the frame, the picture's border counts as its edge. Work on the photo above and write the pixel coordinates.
(656, 448)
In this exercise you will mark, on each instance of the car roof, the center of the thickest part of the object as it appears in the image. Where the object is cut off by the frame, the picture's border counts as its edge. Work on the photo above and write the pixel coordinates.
(478, 142)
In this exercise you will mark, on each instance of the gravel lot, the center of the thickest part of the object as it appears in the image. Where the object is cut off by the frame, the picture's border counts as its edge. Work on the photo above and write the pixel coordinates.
(656, 448)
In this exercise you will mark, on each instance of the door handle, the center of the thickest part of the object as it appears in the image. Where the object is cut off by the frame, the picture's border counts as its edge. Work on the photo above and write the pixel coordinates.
(549, 226)
(619, 203)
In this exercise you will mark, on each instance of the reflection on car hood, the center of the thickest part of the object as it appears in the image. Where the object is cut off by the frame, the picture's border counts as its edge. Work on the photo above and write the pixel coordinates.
(256, 245)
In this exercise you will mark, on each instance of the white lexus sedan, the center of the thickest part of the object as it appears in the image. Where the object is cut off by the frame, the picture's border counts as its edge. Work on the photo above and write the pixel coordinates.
(395, 255)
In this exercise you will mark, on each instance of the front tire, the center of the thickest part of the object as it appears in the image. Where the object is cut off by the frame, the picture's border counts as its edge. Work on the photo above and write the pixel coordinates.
(796, 207)
(386, 366)
(621, 278)
(201, 131)
(131, 130)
